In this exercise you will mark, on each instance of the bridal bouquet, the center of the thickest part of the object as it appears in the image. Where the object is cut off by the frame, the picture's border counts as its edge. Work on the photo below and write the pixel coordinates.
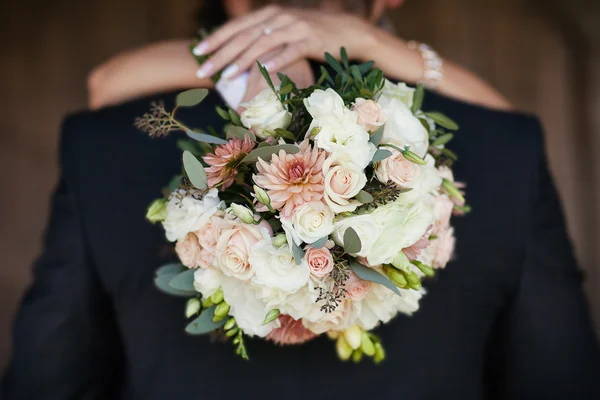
(318, 211)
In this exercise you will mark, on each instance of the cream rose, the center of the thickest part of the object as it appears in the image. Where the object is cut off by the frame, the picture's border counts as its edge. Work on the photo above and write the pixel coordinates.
(397, 169)
(365, 226)
(343, 181)
(309, 223)
(400, 91)
(265, 113)
(275, 267)
(370, 114)
(188, 250)
(402, 128)
(322, 102)
(209, 234)
(232, 252)
(320, 261)
(188, 212)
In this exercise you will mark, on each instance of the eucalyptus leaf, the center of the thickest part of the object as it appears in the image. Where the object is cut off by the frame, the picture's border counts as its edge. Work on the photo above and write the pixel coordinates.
(171, 268)
(444, 139)
(376, 137)
(174, 183)
(364, 197)
(188, 145)
(418, 98)
(284, 133)
(222, 113)
(190, 98)
(238, 132)
(320, 243)
(298, 253)
(183, 281)
(264, 144)
(206, 138)
(381, 154)
(204, 324)
(371, 275)
(442, 120)
(194, 170)
(162, 283)
(352, 244)
(266, 152)
(235, 117)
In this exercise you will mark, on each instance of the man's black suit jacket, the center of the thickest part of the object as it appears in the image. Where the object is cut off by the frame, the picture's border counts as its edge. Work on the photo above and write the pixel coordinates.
(506, 319)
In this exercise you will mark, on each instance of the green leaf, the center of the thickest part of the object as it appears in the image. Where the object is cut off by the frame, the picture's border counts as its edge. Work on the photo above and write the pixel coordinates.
(449, 153)
(371, 275)
(325, 76)
(334, 63)
(366, 67)
(204, 324)
(352, 244)
(238, 132)
(275, 224)
(203, 137)
(441, 120)
(184, 281)
(320, 243)
(187, 145)
(444, 139)
(235, 117)
(344, 56)
(364, 197)
(162, 283)
(171, 268)
(381, 154)
(194, 170)
(264, 144)
(284, 133)
(376, 137)
(190, 98)
(266, 75)
(418, 99)
(222, 113)
(286, 89)
(174, 183)
(266, 152)
(356, 73)
(298, 253)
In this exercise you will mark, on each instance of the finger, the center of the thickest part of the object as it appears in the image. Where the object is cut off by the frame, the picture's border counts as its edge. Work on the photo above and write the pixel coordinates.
(232, 28)
(289, 55)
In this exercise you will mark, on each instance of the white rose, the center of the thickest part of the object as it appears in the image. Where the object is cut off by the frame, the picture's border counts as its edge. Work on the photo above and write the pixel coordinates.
(365, 226)
(265, 113)
(339, 319)
(309, 223)
(401, 226)
(343, 181)
(275, 267)
(208, 281)
(399, 91)
(188, 212)
(402, 128)
(341, 134)
(322, 102)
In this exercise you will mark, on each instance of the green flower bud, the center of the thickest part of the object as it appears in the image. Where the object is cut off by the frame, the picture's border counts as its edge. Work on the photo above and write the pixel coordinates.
(229, 324)
(452, 190)
(357, 355)
(413, 280)
(262, 197)
(396, 276)
(217, 297)
(343, 349)
(333, 335)
(379, 353)
(207, 302)
(221, 311)
(232, 332)
(412, 157)
(426, 269)
(366, 345)
(243, 213)
(279, 240)
(401, 261)
(157, 212)
(353, 336)
(271, 316)
(192, 307)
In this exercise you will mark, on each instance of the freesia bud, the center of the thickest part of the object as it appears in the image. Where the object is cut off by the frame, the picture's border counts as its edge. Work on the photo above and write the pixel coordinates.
(333, 335)
(412, 157)
(366, 344)
(353, 336)
(232, 332)
(357, 355)
(413, 280)
(343, 349)
(157, 211)
(217, 297)
(279, 240)
(207, 302)
(271, 316)
(379, 353)
(452, 190)
(192, 307)
(426, 269)
(401, 261)
(262, 197)
(229, 324)
(243, 213)
(396, 276)
(221, 311)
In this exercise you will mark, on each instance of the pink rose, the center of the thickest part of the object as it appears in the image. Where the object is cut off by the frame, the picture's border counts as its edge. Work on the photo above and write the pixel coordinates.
(356, 288)
(209, 234)
(320, 261)
(442, 208)
(397, 169)
(206, 258)
(413, 251)
(370, 114)
(188, 250)
(444, 248)
(290, 332)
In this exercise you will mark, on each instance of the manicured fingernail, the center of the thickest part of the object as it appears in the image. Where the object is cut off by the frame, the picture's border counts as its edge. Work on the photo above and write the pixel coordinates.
(200, 49)
(269, 65)
(230, 71)
(204, 70)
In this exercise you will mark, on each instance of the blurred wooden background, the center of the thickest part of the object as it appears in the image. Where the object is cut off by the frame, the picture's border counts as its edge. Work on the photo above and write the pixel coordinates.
(544, 55)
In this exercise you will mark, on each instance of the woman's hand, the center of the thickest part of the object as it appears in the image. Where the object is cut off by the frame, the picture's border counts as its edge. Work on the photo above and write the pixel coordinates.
(298, 33)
